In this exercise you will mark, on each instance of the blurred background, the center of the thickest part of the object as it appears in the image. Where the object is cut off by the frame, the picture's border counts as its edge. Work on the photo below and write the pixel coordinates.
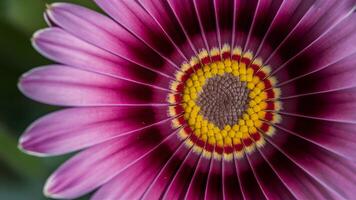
(21, 176)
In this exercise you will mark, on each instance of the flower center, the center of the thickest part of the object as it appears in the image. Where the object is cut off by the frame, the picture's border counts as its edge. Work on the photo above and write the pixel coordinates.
(224, 103)
(223, 100)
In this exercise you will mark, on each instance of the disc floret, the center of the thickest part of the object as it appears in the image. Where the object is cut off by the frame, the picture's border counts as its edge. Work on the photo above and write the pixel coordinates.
(225, 103)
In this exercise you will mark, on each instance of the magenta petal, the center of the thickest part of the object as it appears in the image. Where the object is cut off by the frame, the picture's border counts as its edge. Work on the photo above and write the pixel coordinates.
(67, 86)
(231, 183)
(197, 186)
(133, 181)
(205, 12)
(84, 127)
(224, 12)
(332, 172)
(162, 13)
(135, 19)
(335, 44)
(244, 13)
(184, 11)
(65, 48)
(102, 32)
(335, 137)
(95, 166)
(263, 16)
(281, 25)
(269, 182)
(156, 188)
(298, 182)
(249, 186)
(320, 17)
(337, 106)
(178, 185)
(336, 76)
(214, 187)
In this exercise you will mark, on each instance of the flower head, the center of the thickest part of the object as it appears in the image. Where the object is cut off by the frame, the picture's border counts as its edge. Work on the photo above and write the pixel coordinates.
(196, 99)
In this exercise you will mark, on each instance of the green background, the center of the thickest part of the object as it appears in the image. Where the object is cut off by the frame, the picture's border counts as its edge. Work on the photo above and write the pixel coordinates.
(21, 176)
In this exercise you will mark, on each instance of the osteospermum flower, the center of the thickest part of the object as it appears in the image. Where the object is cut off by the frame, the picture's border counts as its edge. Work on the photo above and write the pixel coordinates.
(186, 99)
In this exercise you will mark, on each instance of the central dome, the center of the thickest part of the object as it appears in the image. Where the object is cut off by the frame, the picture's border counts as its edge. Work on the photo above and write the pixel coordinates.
(223, 99)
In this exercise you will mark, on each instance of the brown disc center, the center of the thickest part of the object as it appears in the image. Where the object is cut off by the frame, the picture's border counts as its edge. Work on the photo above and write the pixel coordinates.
(223, 100)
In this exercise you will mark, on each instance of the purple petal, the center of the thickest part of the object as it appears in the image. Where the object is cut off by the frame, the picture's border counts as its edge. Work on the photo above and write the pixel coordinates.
(336, 106)
(99, 164)
(61, 85)
(133, 17)
(178, 185)
(197, 185)
(133, 181)
(205, 12)
(249, 186)
(297, 181)
(272, 186)
(244, 13)
(263, 16)
(157, 186)
(163, 15)
(331, 171)
(214, 187)
(63, 47)
(321, 17)
(224, 12)
(186, 15)
(231, 183)
(332, 136)
(281, 25)
(335, 44)
(337, 76)
(73, 129)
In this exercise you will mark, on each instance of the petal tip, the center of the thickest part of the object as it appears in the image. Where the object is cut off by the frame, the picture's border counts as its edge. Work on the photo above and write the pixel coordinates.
(49, 194)
(49, 189)
(25, 146)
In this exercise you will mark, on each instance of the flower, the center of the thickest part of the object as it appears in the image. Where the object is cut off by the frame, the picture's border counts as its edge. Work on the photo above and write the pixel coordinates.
(198, 99)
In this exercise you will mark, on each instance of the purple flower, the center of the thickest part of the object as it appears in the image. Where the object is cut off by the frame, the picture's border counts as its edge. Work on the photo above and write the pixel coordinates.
(199, 99)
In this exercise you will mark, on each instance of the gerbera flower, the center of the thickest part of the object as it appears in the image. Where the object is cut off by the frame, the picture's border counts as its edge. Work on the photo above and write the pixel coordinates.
(198, 99)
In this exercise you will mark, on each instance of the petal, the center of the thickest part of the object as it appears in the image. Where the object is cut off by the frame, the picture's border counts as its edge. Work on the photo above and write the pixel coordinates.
(294, 17)
(249, 186)
(269, 182)
(99, 164)
(244, 12)
(231, 182)
(286, 18)
(318, 20)
(205, 12)
(338, 138)
(164, 16)
(135, 19)
(214, 187)
(335, 106)
(133, 181)
(180, 178)
(184, 11)
(64, 48)
(67, 86)
(264, 14)
(331, 171)
(197, 186)
(157, 186)
(224, 12)
(298, 181)
(84, 127)
(337, 76)
(330, 47)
